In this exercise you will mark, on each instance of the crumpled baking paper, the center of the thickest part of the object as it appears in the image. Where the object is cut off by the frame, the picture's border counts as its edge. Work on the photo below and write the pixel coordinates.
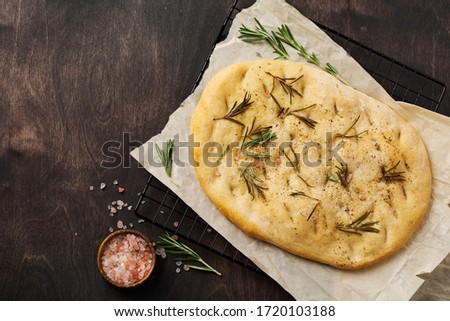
(392, 279)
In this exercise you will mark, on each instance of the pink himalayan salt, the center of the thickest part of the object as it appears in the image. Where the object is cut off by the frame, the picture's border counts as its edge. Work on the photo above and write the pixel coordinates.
(126, 259)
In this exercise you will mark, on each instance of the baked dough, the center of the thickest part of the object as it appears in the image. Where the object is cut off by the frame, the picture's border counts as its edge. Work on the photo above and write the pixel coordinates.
(296, 158)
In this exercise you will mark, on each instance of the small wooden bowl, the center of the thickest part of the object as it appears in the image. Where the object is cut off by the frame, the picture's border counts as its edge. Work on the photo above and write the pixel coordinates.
(108, 239)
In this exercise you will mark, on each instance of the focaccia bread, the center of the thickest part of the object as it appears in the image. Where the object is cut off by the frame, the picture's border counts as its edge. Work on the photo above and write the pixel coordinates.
(296, 158)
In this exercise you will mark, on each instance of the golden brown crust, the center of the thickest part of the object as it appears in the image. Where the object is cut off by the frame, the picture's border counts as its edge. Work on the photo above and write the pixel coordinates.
(303, 209)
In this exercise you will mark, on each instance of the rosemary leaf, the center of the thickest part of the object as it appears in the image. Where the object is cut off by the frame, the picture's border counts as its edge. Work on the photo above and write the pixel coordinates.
(238, 109)
(166, 156)
(358, 135)
(172, 246)
(358, 226)
(391, 175)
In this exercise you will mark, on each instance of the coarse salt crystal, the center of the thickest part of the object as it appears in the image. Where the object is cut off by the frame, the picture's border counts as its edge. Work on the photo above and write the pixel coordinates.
(120, 202)
(186, 267)
(111, 230)
(91, 188)
(113, 210)
(131, 224)
(175, 224)
(102, 186)
(178, 263)
(119, 224)
(177, 270)
(130, 207)
(121, 189)
(115, 182)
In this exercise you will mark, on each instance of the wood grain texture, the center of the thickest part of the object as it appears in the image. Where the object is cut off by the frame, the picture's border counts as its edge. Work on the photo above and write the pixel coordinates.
(77, 74)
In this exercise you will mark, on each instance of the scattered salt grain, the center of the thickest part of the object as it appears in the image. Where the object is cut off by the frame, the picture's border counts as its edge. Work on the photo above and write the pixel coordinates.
(141, 221)
(102, 186)
(120, 202)
(119, 224)
(119, 207)
(113, 210)
(175, 224)
(209, 230)
(163, 253)
(109, 207)
(121, 189)
(115, 182)
(186, 267)
(111, 230)
(158, 251)
(142, 202)
(76, 234)
(126, 259)
(177, 270)
(111, 214)
(130, 225)
(124, 227)
(162, 212)
(113, 202)
(125, 204)
(130, 207)
(178, 263)
(175, 237)
(91, 188)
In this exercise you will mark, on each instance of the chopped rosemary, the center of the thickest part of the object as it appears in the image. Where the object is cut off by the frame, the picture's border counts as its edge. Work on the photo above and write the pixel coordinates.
(166, 156)
(238, 109)
(358, 135)
(299, 193)
(265, 137)
(294, 163)
(219, 159)
(391, 175)
(287, 85)
(282, 111)
(341, 176)
(306, 120)
(252, 181)
(261, 34)
(312, 212)
(170, 245)
(358, 226)
(257, 130)
(303, 180)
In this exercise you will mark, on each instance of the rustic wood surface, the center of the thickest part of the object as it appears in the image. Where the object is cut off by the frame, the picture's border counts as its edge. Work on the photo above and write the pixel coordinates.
(76, 74)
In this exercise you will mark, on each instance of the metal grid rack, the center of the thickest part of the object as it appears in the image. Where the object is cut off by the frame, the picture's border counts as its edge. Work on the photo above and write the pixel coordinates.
(158, 205)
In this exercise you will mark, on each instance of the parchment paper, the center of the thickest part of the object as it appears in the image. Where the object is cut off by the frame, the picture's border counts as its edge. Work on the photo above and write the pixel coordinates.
(394, 278)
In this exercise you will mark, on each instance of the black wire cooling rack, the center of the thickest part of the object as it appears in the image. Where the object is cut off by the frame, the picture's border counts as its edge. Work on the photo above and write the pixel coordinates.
(158, 205)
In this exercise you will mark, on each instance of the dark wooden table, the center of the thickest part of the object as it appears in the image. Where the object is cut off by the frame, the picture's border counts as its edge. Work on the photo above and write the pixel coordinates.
(77, 74)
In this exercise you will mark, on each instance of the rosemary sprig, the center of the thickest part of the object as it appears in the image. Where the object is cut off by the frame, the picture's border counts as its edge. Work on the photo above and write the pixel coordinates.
(166, 156)
(238, 109)
(170, 245)
(287, 85)
(265, 137)
(252, 181)
(257, 130)
(358, 135)
(391, 175)
(341, 176)
(261, 34)
(358, 226)
(276, 40)
(312, 212)
(284, 35)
